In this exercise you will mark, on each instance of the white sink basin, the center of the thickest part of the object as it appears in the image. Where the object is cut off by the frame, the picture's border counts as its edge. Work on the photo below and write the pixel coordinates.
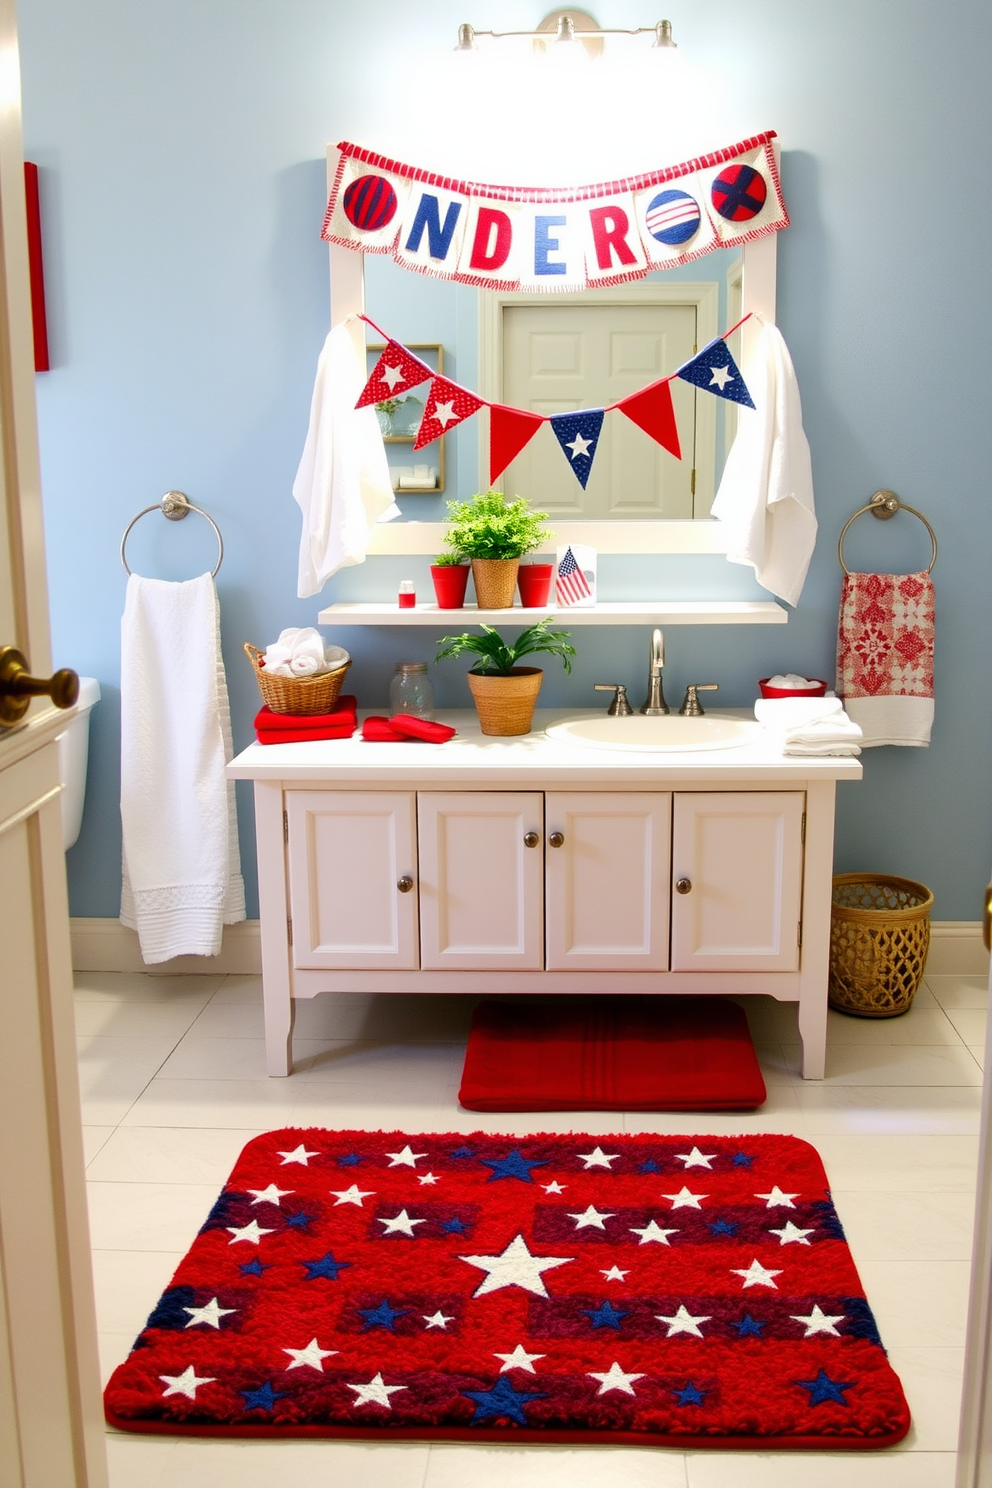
(672, 732)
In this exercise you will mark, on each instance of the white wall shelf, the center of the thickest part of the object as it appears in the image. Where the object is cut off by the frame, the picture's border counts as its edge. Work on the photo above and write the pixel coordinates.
(627, 612)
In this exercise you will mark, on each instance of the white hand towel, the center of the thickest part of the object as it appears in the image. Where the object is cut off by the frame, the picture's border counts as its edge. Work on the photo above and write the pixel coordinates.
(342, 485)
(182, 875)
(765, 500)
(809, 725)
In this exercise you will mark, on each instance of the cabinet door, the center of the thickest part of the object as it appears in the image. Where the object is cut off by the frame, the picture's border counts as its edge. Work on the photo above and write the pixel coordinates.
(737, 871)
(481, 885)
(352, 878)
(608, 882)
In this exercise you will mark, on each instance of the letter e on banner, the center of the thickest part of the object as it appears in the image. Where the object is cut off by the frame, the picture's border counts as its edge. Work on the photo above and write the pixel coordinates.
(613, 245)
(553, 258)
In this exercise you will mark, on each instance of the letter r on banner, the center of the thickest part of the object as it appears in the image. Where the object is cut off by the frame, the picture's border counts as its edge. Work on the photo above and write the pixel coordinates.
(610, 226)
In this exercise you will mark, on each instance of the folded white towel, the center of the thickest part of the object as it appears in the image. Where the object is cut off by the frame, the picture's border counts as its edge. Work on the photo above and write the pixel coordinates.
(809, 725)
(181, 866)
(795, 712)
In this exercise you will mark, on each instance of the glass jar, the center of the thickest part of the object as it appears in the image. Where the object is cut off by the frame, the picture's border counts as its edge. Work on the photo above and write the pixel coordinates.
(410, 691)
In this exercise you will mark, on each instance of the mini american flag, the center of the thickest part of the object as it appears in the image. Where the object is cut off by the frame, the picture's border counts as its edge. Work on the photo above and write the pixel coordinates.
(570, 584)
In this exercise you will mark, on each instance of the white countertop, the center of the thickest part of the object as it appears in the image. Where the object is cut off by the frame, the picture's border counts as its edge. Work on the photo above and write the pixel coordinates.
(472, 757)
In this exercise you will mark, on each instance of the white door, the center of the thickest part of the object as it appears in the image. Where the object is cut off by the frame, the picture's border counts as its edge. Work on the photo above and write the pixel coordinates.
(607, 881)
(481, 880)
(562, 357)
(51, 1427)
(737, 881)
(353, 878)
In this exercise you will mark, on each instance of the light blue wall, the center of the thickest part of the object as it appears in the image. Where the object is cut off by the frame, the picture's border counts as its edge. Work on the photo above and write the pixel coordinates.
(181, 149)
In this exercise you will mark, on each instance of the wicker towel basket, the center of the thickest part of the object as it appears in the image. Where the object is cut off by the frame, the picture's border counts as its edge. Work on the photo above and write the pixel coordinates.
(298, 695)
(879, 938)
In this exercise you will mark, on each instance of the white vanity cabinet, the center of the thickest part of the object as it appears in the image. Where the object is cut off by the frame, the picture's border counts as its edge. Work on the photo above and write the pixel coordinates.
(536, 866)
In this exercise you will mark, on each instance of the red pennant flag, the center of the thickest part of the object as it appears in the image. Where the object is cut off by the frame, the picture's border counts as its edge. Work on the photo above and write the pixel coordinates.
(510, 429)
(651, 410)
(447, 405)
(394, 372)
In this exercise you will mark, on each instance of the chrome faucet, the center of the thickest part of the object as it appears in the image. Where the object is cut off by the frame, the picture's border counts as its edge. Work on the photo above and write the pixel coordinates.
(656, 704)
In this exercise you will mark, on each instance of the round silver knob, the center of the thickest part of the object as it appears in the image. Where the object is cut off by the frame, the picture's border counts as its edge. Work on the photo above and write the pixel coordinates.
(683, 885)
(557, 839)
(405, 884)
(531, 839)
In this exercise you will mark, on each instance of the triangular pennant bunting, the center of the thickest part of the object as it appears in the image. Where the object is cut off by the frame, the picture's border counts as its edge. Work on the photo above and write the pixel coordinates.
(510, 429)
(394, 372)
(651, 410)
(578, 434)
(447, 405)
(715, 370)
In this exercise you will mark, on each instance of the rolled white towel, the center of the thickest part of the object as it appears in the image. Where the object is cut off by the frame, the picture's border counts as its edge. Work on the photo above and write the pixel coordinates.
(334, 657)
(277, 655)
(304, 665)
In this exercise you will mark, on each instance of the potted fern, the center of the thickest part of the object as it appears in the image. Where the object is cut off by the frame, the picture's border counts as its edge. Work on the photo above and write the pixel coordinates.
(495, 534)
(504, 693)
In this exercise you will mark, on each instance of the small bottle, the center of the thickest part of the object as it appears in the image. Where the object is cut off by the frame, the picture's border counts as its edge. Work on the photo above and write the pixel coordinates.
(410, 691)
(407, 597)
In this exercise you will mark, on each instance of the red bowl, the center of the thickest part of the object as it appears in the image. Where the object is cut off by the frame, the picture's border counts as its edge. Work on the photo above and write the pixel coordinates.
(815, 689)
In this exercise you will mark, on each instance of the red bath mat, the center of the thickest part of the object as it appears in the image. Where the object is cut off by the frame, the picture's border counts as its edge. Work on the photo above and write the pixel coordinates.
(611, 1054)
(668, 1291)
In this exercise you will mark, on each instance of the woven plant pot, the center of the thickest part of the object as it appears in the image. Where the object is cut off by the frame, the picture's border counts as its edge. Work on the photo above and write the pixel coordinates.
(299, 696)
(505, 705)
(495, 582)
(879, 938)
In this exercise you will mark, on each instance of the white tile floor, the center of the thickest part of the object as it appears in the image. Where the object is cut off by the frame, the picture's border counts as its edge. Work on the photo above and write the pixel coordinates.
(173, 1086)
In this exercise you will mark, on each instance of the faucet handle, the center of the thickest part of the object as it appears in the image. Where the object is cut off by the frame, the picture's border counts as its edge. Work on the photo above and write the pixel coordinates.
(620, 707)
(691, 707)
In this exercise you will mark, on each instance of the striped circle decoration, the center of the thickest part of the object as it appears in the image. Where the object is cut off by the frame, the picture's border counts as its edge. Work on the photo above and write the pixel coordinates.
(739, 193)
(672, 217)
(370, 203)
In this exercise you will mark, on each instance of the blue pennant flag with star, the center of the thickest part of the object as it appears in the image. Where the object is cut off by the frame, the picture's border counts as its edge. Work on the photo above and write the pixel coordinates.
(715, 371)
(578, 434)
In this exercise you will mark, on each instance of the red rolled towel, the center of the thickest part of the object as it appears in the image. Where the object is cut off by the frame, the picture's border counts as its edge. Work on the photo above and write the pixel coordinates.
(421, 728)
(345, 712)
(379, 731)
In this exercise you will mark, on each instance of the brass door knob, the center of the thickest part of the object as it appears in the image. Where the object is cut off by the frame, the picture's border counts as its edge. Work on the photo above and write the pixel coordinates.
(17, 687)
(405, 884)
(531, 839)
(557, 839)
(683, 886)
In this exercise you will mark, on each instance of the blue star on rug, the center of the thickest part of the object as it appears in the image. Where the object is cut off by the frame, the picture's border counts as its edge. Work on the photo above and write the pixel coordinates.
(350, 1160)
(723, 1227)
(464, 1152)
(649, 1167)
(326, 1266)
(741, 1160)
(298, 1221)
(749, 1327)
(264, 1398)
(254, 1268)
(823, 1389)
(689, 1395)
(604, 1316)
(502, 1400)
(454, 1226)
(382, 1316)
(514, 1165)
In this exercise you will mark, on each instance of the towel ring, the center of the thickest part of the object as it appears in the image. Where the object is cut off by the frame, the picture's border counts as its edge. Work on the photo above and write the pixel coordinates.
(175, 505)
(883, 505)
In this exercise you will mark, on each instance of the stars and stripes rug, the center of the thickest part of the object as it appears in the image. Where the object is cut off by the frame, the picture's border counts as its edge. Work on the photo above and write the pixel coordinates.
(653, 1290)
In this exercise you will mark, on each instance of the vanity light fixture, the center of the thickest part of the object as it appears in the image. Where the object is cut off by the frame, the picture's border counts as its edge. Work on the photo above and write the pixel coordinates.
(569, 26)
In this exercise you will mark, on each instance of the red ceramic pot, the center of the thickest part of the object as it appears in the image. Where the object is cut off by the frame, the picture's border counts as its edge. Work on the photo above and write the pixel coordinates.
(450, 583)
(534, 583)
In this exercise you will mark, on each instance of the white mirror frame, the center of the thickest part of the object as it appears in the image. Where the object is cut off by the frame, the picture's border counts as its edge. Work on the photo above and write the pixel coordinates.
(347, 270)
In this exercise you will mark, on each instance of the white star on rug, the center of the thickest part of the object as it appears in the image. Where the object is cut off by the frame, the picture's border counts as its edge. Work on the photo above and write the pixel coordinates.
(652, 1231)
(686, 1200)
(400, 1224)
(251, 1233)
(720, 376)
(579, 447)
(376, 1392)
(597, 1158)
(270, 1195)
(352, 1195)
(311, 1357)
(554, 1187)
(790, 1234)
(444, 413)
(210, 1315)
(428, 1178)
(614, 1379)
(777, 1199)
(695, 1158)
(591, 1217)
(818, 1322)
(186, 1383)
(298, 1155)
(614, 1273)
(514, 1267)
(437, 1319)
(757, 1275)
(391, 376)
(683, 1322)
(404, 1159)
(519, 1359)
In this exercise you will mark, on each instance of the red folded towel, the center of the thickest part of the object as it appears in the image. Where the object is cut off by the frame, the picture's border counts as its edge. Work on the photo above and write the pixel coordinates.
(421, 728)
(379, 731)
(309, 723)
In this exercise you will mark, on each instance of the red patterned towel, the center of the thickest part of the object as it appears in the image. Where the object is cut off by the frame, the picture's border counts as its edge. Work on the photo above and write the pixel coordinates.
(885, 656)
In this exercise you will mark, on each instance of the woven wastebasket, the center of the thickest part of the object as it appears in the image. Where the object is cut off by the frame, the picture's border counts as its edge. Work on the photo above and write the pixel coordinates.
(879, 938)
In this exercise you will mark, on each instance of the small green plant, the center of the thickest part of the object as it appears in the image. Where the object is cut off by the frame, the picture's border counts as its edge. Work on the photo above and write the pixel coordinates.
(449, 560)
(489, 526)
(388, 405)
(497, 658)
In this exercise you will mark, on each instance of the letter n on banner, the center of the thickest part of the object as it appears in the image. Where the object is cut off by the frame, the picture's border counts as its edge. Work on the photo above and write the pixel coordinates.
(433, 231)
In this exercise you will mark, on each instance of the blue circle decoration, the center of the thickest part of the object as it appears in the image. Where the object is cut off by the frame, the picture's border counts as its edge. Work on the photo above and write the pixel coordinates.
(739, 193)
(370, 203)
(672, 217)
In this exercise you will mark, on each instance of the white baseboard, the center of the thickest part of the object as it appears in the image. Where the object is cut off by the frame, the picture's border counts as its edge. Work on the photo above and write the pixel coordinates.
(105, 945)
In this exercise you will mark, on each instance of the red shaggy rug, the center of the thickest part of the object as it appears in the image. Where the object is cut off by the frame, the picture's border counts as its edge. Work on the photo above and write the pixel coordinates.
(669, 1291)
(611, 1054)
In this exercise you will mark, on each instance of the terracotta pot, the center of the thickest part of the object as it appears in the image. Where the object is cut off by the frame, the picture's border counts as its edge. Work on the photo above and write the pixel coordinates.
(534, 583)
(495, 582)
(505, 705)
(450, 583)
